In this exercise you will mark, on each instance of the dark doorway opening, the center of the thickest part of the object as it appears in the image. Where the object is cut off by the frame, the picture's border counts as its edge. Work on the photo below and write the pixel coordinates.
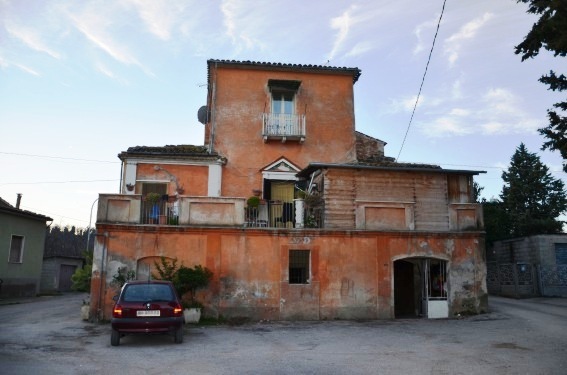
(406, 292)
(420, 288)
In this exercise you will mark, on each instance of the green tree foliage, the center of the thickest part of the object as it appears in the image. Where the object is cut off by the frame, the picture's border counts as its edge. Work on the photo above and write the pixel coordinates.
(166, 269)
(186, 280)
(67, 241)
(477, 189)
(189, 279)
(531, 198)
(496, 222)
(81, 279)
(122, 276)
(550, 33)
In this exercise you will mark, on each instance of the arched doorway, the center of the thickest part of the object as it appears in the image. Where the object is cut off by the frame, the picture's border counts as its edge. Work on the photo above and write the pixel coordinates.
(420, 288)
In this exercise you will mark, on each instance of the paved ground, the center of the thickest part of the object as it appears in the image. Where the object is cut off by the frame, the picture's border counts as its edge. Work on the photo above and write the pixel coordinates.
(46, 336)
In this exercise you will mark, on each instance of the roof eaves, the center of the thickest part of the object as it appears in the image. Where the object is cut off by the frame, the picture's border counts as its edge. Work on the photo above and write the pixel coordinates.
(355, 72)
(25, 213)
(406, 167)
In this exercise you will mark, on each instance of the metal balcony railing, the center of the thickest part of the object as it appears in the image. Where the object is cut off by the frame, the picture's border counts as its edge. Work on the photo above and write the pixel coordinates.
(162, 213)
(283, 126)
(278, 214)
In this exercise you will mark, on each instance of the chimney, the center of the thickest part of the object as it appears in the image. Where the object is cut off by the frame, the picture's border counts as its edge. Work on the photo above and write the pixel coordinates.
(18, 200)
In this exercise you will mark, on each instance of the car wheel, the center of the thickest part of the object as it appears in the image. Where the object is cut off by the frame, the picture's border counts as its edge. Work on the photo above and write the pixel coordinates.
(115, 338)
(178, 336)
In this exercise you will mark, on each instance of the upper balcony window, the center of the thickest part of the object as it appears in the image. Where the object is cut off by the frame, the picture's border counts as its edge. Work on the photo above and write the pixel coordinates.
(283, 102)
(283, 122)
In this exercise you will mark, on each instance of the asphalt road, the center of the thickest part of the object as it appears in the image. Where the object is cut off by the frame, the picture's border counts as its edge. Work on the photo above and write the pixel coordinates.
(46, 336)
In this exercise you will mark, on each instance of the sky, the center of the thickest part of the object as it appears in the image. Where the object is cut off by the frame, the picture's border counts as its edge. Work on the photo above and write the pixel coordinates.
(81, 81)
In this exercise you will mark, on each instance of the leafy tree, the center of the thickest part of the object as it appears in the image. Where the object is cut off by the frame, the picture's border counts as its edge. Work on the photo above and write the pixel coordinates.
(496, 221)
(477, 189)
(532, 199)
(166, 269)
(189, 279)
(550, 33)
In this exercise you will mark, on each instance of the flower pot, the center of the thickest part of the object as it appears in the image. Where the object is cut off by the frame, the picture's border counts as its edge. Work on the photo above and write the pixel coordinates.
(192, 315)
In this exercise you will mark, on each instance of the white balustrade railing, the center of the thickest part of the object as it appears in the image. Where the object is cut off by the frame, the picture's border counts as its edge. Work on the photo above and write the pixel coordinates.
(283, 125)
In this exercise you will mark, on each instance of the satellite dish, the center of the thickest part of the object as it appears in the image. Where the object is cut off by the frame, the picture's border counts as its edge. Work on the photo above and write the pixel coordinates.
(203, 114)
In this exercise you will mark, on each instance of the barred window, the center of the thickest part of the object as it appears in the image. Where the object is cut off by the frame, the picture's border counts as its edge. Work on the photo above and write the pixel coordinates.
(299, 266)
(16, 249)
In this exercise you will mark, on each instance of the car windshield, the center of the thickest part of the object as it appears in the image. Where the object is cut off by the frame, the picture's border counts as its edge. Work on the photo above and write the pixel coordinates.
(147, 292)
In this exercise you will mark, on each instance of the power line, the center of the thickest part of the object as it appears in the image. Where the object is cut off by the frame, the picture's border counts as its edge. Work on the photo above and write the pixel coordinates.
(42, 212)
(55, 182)
(59, 157)
(422, 79)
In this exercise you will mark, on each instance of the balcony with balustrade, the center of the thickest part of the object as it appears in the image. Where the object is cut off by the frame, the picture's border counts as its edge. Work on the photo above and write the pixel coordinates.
(131, 209)
(283, 127)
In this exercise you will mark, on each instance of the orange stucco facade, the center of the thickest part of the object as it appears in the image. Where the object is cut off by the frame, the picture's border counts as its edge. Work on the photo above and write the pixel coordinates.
(351, 272)
(241, 94)
(365, 237)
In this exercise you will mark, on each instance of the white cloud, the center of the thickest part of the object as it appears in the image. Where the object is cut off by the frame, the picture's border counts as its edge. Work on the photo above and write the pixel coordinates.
(160, 16)
(240, 26)
(4, 64)
(359, 49)
(456, 90)
(342, 24)
(100, 67)
(405, 104)
(447, 126)
(26, 69)
(95, 26)
(497, 112)
(454, 43)
(31, 39)
(460, 112)
(420, 46)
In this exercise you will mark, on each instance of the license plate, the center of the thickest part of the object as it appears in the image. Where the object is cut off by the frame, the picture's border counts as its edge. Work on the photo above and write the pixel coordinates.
(147, 313)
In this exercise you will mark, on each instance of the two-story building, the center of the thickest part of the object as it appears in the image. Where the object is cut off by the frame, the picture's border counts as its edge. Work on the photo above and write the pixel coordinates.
(298, 215)
(22, 242)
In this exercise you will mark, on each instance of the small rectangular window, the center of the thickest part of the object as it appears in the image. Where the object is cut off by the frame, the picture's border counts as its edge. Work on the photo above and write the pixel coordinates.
(16, 249)
(299, 266)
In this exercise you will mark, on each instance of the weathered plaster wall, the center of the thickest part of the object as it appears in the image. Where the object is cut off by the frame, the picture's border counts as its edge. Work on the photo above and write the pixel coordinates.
(192, 178)
(239, 101)
(351, 272)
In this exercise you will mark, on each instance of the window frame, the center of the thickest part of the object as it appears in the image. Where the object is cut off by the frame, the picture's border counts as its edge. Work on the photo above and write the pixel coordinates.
(20, 250)
(279, 97)
(302, 260)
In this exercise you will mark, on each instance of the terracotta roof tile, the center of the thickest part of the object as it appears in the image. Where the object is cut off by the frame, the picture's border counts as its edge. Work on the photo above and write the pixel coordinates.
(283, 66)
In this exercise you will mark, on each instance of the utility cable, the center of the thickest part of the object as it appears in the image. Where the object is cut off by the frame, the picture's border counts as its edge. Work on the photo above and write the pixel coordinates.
(422, 80)
(59, 157)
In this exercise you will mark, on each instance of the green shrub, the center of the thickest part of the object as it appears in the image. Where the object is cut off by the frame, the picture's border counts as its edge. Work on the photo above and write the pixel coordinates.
(82, 279)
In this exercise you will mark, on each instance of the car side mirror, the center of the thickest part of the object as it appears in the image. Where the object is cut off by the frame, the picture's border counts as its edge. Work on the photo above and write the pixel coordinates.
(115, 298)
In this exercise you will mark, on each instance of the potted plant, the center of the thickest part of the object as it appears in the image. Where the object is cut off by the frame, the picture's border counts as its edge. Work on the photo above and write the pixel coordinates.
(188, 280)
(252, 207)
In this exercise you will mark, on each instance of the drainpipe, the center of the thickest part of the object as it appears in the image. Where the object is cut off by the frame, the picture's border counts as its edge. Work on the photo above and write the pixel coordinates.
(18, 200)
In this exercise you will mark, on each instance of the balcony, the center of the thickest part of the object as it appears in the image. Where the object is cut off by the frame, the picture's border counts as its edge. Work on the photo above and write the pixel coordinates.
(283, 127)
(131, 209)
(278, 214)
(206, 211)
